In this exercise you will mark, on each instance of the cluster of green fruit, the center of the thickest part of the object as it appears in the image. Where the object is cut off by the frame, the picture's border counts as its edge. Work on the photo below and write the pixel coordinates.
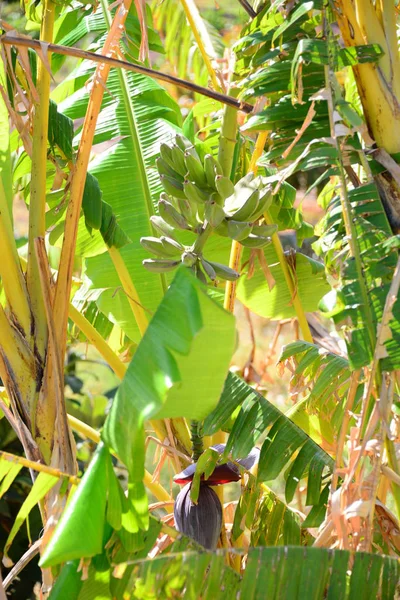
(199, 198)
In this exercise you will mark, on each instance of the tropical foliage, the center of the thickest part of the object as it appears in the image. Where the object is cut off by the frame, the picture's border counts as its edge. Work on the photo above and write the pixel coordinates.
(158, 151)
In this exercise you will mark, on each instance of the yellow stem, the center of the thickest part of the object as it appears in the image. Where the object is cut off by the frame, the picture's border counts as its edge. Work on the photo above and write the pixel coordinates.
(10, 270)
(91, 434)
(37, 208)
(39, 467)
(196, 25)
(378, 100)
(129, 289)
(98, 342)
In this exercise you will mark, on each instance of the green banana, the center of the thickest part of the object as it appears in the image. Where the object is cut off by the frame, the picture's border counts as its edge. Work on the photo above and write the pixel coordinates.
(209, 269)
(164, 169)
(160, 266)
(172, 246)
(248, 208)
(195, 170)
(224, 272)
(264, 203)
(179, 160)
(172, 186)
(194, 193)
(162, 226)
(255, 241)
(183, 142)
(155, 246)
(224, 185)
(214, 214)
(192, 151)
(212, 168)
(200, 275)
(238, 230)
(222, 228)
(171, 215)
(188, 210)
(265, 230)
(166, 155)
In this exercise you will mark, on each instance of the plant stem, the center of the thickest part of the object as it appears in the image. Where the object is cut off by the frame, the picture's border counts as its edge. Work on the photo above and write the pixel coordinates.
(228, 137)
(10, 270)
(199, 31)
(196, 437)
(123, 64)
(37, 208)
(201, 239)
(91, 434)
(98, 342)
(129, 289)
(38, 467)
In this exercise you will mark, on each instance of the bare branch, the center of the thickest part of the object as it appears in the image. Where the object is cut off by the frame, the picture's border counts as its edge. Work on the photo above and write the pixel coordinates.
(128, 66)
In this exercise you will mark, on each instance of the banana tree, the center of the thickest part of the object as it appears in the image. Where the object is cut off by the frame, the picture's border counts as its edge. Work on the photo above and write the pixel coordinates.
(157, 225)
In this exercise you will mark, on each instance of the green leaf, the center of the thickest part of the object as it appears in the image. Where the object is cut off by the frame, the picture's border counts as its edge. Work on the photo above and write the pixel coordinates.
(275, 572)
(277, 304)
(79, 532)
(257, 417)
(43, 484)
(69, 579)
(178, 369)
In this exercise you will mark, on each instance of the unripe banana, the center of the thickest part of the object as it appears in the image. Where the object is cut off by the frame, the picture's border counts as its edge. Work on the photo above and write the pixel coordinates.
(194, 193)
(238, 230)
(183, 142)
(164, 169)
(188, 211)
(212, 168)
(224, 272)
(173, 247)
(215, 197)
(224, 185)
(177, 156)
(265, 230)
(172, 186)
(166, 155)
(200, 275)
(162, 226)
(155, 246)
(195, 170)
(255, 241)
(264, 203)
(171, 215)
(222, 228)
(160, 266)
(214, 214)
(209, 269)
(248, 208)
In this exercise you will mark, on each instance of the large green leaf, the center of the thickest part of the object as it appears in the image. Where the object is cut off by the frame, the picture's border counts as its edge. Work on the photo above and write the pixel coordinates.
(81, 527)
(277, 304)
(178, 369)
(137, 116)
(287, 572)
(286, 445)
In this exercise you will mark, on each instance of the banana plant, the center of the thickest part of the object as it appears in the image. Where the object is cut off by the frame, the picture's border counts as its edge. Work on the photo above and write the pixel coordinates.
(143, 230)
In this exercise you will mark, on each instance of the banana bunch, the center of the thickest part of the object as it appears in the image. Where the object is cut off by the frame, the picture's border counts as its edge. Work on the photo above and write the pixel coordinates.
(197, 197)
